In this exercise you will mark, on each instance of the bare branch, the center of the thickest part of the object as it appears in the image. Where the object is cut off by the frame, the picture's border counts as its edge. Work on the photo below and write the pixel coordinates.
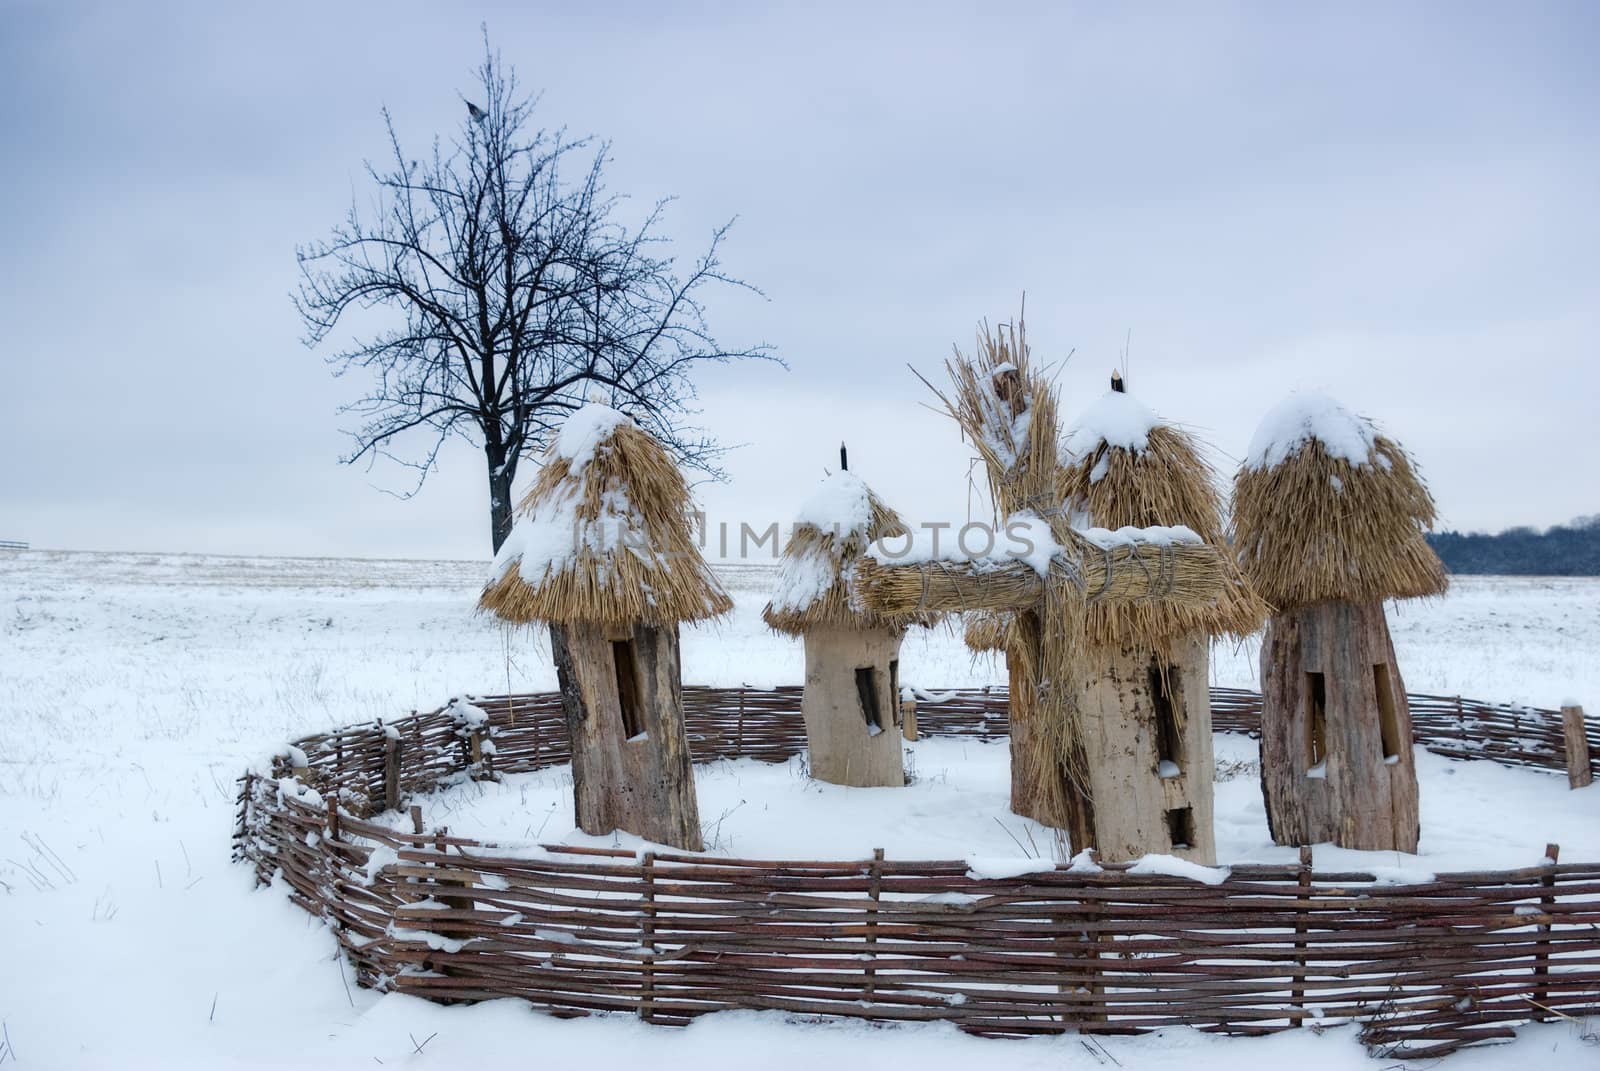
(486, 294)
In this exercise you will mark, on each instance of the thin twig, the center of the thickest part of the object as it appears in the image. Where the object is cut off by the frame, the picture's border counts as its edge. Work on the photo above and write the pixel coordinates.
(1020, 846)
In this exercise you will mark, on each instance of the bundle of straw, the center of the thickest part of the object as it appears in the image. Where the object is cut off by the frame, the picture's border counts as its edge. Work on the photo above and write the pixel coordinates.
(986, 630)
(1183, 574)
(652, 574)
(1007, 410)
(1316, 527)
(1166, 482)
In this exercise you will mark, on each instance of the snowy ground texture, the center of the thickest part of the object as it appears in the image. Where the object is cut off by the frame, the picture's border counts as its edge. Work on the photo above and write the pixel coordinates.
(133, 688)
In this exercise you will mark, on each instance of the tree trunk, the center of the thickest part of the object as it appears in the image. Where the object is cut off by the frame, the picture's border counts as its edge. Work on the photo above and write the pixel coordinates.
(1146, 721)
(631, 767)
(1336, 754)
(852, 707)
(500, 504)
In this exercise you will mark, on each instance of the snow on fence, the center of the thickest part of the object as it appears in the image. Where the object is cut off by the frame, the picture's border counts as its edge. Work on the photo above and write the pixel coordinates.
(1425, 967)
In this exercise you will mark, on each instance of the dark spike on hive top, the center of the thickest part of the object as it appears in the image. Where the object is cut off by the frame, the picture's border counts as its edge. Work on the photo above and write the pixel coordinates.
(844, 459)
(1116, 382)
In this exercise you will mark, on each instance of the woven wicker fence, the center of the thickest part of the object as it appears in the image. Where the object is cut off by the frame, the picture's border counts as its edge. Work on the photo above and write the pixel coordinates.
(1424, 968)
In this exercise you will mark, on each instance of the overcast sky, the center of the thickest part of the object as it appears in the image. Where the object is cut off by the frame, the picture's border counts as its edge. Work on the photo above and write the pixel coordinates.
(1392, 203)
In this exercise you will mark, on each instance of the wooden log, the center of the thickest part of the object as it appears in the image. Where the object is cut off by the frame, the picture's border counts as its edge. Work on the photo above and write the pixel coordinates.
(1576, 747)
(1336, 733)
(908, 719)
(1146, 737)
(849, 706)
(631, 767)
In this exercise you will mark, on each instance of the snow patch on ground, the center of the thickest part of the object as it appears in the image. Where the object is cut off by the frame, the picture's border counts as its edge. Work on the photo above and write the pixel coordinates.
(136, 687)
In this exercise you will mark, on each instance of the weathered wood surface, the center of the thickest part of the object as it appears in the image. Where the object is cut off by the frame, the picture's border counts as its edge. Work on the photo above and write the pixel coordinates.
(1356, 796)
(1123, 748)
(643, 783)
(1580, 770)
(1424, 968)
(841, 747)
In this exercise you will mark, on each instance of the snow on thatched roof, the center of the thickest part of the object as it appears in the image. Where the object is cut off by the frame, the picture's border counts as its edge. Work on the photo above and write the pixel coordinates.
(1124, 466)
(1326, 507)
(831, 530)
(603, 536)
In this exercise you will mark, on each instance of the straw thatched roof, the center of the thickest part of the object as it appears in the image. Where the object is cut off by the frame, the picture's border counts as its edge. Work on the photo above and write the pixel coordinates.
(831, 531)
(603, 536)
(1326, 508)
(1123, 466)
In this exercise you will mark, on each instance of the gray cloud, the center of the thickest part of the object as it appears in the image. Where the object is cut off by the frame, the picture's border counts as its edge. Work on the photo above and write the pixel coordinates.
(1394, 206)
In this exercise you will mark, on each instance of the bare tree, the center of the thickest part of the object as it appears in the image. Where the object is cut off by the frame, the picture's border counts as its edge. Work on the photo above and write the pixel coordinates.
(520, 294)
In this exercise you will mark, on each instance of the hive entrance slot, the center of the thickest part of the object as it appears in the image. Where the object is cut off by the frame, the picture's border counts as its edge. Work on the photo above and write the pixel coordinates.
(628, 702)
(1388, 713)
(1317, 723)
(867, 692)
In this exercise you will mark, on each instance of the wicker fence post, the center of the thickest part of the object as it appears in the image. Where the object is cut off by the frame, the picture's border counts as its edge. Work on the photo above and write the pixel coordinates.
(1093, 987)
(738, 743)
(647, 941)
(1297, 994)
(391, 768)
(1579, 772)
(1541, 958)
(908, 718)
(874, 885)
(328, 852)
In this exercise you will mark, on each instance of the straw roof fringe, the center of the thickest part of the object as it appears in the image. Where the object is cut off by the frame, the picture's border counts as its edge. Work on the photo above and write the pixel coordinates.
(830, 555)
(650, 573)
(1167, 482)
(986, 630)
(1316, 527)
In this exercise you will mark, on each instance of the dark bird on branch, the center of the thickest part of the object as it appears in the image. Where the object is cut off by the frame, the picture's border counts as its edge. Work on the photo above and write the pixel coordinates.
(477, 113)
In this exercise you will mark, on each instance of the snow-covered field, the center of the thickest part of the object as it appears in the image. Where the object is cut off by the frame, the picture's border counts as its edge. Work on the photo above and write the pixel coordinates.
(133, 688)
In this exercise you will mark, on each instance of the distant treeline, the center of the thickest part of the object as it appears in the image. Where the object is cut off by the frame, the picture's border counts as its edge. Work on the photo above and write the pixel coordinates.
(1572, 549)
